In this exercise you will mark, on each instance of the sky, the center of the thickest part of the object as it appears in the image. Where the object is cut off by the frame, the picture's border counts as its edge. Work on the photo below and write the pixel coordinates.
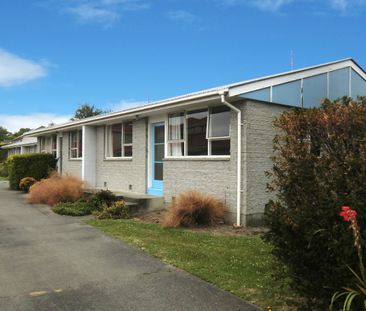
(114, 54)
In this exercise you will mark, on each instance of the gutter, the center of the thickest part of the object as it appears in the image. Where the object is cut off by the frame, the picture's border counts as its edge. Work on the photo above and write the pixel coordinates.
(239, 141)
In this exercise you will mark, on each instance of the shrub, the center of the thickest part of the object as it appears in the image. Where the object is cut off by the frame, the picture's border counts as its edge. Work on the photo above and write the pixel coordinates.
(26, 183)
(37, 165)
(118, 210)
(78, 208)
(101, 198)
(4, 172)
(56, 189)
(193, 208)
(319, 165)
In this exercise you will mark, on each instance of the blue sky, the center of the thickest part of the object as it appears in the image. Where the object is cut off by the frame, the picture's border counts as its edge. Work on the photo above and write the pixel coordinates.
(57, 54)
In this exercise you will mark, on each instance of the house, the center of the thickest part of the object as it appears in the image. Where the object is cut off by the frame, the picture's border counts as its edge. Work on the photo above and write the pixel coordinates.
(20, 145)
(218, 141)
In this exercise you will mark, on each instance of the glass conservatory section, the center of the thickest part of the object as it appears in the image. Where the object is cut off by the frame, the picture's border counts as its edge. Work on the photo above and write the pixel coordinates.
(339, 83)
(358, 85)
(314, 90)
(288, 93)
(262, 94)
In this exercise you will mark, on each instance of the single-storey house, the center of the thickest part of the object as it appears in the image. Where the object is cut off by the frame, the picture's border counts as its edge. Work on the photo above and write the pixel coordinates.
(22, 144)
(218, 140)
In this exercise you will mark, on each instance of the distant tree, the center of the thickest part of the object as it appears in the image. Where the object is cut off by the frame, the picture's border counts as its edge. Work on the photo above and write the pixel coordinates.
(21, 131)
(86, 111)
(4, 134)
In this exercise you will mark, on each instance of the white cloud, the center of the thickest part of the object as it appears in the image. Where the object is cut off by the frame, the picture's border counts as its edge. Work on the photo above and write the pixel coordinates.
(16, 70)
(265, 5)
(182, 16)
(14, 122)
(126, 104)
(105, 12)
(344, 5)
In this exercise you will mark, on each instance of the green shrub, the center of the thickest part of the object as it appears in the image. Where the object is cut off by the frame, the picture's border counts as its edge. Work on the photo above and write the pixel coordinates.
(118, 210)
(37, 165)
(319, 165)
(4, 172)
(101, 198)
(78, 208)
(26, 183)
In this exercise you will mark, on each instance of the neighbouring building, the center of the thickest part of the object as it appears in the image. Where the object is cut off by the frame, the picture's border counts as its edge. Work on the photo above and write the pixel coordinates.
(218, 141)
(21, 145)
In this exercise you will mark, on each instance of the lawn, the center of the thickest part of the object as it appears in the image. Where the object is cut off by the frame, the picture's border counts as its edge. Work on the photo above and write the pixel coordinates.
(239, 264)
(3, 178)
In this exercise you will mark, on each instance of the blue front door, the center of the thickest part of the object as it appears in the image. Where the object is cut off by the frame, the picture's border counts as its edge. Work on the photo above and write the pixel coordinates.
(157, 155)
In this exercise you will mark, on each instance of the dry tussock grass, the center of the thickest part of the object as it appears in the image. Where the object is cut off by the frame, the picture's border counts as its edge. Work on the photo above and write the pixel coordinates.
(193, 208)
(56, 189)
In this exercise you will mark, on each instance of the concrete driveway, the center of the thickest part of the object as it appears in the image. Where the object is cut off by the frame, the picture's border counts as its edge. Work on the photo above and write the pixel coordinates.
(51, 262)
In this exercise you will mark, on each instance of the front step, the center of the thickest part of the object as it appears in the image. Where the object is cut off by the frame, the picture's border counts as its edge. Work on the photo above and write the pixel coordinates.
(138, 203)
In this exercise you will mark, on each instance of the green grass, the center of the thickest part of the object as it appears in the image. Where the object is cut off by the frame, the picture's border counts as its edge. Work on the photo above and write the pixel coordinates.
(77, 208)
(239, 264)
(3, 178)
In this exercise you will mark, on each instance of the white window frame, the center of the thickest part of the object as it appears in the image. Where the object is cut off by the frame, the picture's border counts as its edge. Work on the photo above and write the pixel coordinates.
(108, 141)
(185, 137)
(78, 133)
(54, 146)
(42, 144)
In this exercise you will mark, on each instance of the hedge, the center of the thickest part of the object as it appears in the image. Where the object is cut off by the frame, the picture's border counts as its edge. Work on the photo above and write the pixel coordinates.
(36, 165)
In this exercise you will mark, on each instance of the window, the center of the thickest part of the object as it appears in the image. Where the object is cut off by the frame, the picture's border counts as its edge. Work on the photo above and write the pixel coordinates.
(200, 132)
(196, 132)
(119, 140)
(42, 144)
(76, 144)
(54, 145)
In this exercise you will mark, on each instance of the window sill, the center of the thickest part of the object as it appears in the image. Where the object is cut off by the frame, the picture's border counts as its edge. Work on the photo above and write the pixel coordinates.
(119, 159)
(75, 159)
(198, 158)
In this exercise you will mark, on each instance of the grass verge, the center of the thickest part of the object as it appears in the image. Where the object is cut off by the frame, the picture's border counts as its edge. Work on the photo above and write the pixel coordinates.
(240, 264)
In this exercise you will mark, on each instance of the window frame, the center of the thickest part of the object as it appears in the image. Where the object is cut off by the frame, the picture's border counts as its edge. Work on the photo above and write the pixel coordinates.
(185, 136)
(108, 140)
(77, 147)
(42, 144)
(54, 145)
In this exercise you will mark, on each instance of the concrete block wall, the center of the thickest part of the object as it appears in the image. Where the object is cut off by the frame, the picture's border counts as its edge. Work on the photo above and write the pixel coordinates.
(257, 152)
(119, 174)
(69, 166)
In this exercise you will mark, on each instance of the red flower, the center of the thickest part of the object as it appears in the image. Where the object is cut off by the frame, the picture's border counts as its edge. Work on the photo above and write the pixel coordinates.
(348, 214)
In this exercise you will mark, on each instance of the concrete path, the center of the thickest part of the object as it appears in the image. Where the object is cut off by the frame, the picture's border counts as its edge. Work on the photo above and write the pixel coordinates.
(51, 262)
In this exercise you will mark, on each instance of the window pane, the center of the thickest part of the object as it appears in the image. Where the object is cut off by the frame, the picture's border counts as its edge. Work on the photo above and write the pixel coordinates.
(80, 146)
(176, 126)
(219, 121)
(159, 134)
(220, 147)
(315, 89)
(287, 94)
(338, 83)
(73, 153)
(196, 128)
(158, 171)
(176, 149)
(127, 132)
(263, 94)
(73, 139)
(128, 151)
(116, 140)
(159, 153)
(358, 85)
